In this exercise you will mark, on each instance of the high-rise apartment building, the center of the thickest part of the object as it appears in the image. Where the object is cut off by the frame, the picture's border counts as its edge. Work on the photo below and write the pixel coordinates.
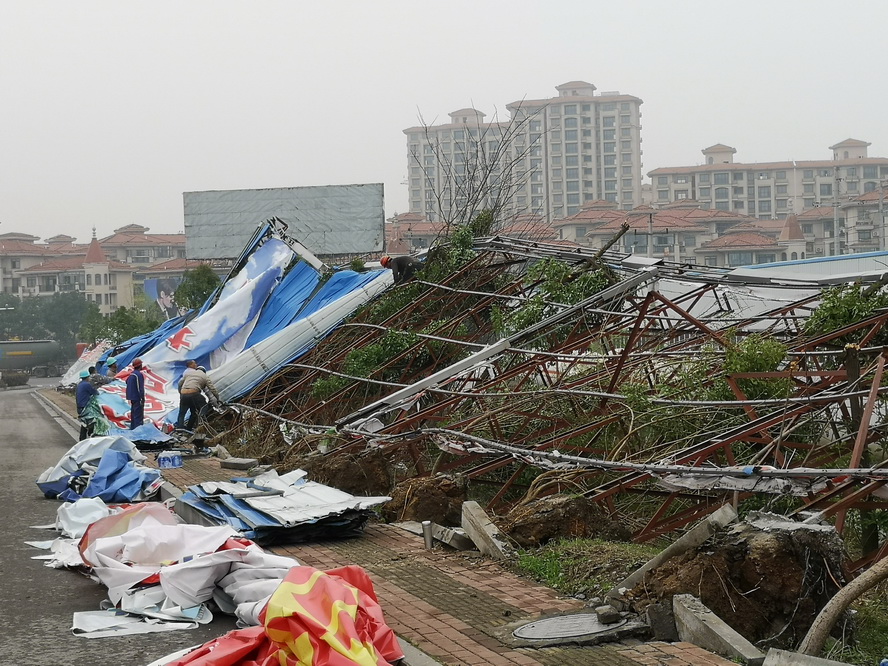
(771, 190)
(547, 159)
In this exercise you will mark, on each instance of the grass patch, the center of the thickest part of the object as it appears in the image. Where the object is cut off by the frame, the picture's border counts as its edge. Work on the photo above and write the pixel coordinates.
(583, 566)
(869, 644)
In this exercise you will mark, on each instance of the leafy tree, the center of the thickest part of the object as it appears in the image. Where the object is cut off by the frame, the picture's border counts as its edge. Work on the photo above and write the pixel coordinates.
(196, 287)
(844, 305)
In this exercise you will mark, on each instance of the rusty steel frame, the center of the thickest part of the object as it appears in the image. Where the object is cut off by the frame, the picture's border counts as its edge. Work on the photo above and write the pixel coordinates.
(530, 400)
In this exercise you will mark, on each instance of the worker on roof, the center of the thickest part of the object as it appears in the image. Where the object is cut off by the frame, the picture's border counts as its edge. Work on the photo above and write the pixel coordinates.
(403, 268)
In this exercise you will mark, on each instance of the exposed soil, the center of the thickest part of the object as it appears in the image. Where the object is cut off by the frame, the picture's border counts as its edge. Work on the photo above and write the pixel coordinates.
(767, 585)
(366, 474)
(560, 516)
(436, 498)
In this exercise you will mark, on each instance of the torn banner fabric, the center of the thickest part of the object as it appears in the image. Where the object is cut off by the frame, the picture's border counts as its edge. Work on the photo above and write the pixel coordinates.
(319, 618)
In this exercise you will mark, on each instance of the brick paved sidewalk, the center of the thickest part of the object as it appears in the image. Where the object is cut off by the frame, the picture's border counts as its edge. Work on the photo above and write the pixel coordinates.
(450, 604)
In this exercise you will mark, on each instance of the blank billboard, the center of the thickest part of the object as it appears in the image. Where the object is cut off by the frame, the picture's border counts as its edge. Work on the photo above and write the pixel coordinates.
(327, 219)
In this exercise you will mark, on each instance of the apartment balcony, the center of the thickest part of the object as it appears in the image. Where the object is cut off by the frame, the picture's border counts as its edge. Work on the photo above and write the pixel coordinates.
(69, 287)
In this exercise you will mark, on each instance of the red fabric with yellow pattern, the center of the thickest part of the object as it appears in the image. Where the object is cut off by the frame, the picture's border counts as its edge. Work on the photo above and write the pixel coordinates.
(314, 618)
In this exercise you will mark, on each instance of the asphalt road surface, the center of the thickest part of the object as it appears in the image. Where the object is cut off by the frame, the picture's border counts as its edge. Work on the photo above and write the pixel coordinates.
(36, 602)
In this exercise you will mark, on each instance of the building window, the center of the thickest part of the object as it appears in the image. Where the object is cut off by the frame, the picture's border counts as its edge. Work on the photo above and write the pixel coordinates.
(571, 147)
(721, 179)
(627, 171)
(662, 180)
(681, 179)
(864, 235)
(626, 132)
(808, 203)
(722, 205)
(738, 191)
(571, 160)
(852, 186)
(705, 192)
(703, 178)
(16, 263)
(556, 147)
(610, 159)
(721, 192)
(764, 206)
(739, 205)
(808, 188)
(781, 204)
(570, 135)
(681, 194)
(627, 182)
(808, 173)
(739, 258)
(781, 175)
(869, 186)
(570, 109)
(625, 157)
(781, 189)
(610, 184)
(711, 261)
(610, 147)
(608, 121)
(663, 195)
(826, 189)
(764, 192)
(625, 120)
(572, 173)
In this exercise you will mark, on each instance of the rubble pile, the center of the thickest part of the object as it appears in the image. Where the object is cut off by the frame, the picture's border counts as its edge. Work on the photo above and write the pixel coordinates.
(436, 498)
(767, 577)
(560, 516)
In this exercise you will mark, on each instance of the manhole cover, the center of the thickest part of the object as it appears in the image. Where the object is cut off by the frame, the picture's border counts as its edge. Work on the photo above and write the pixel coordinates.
(566, 626)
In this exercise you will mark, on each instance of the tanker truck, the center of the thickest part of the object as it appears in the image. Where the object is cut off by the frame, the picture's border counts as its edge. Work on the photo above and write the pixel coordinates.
(40, 358)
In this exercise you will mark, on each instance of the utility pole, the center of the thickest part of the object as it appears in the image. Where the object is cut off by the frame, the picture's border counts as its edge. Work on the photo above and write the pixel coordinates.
(650, 239)
(836, 210)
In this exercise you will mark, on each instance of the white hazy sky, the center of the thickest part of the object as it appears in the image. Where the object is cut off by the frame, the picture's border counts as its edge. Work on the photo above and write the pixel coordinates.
(110, 109)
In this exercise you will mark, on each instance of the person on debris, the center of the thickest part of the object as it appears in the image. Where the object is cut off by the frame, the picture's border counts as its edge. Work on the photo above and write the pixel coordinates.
(403, 268)
(111, 367)
(96, 379)
(135, 393)
(191, 400)
(84, 391)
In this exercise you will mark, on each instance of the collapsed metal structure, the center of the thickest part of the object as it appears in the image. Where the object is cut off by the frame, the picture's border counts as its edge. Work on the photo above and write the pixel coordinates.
(612, 396)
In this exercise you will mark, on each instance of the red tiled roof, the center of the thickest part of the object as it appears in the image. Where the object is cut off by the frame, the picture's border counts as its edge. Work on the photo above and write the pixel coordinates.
(75, 263)
(875, 195)
(134, 239)
(817, 213)
(791, 231)
(742, 239)
(95, 254)
(851, 143)
(718, 148)
(765, 166)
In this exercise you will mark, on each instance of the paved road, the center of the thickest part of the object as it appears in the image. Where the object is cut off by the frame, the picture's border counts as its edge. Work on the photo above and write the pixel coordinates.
(36, 602)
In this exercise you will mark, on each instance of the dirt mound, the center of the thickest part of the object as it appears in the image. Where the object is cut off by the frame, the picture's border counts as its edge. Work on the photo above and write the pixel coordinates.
(436, 498)
(366, 473)
(766, 582)
(560, 516)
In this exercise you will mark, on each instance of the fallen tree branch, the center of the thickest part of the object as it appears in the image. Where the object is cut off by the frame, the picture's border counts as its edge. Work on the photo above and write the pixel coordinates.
(823, 623)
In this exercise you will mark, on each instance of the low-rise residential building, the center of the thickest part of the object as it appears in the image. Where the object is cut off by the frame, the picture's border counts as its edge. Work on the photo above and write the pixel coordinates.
(865, 229)
(104, 281)
(771, 190)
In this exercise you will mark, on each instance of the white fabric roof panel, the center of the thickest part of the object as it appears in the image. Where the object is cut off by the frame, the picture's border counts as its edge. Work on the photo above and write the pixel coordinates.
(327, 219)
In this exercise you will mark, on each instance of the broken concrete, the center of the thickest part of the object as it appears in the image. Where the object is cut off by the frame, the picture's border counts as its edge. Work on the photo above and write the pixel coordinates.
(698, 625)
(783, 658)
(702, 531)
(481, 530)
(608, 614)
(238, 463)
(661, 620)
(455, 537)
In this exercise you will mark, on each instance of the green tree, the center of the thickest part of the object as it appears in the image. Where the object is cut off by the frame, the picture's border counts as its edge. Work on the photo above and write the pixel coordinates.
(196, 287)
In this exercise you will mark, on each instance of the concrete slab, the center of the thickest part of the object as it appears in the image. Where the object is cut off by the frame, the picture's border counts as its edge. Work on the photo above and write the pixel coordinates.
(785, 658)
(455, 538)
(238, 463)
(697, 535)
(698, 625)
(481, 530)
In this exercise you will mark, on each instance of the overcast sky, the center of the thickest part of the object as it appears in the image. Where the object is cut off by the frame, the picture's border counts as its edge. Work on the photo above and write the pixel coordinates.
(110, 110)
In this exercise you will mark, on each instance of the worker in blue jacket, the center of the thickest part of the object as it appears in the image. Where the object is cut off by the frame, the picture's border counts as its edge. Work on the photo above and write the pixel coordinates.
(85, 390)
(135, 393)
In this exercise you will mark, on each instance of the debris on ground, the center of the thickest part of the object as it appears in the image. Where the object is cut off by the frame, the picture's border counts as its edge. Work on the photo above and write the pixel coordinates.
(766, 577)
(560, 517)
(273, 509)
(435, 498)
(366, 473)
